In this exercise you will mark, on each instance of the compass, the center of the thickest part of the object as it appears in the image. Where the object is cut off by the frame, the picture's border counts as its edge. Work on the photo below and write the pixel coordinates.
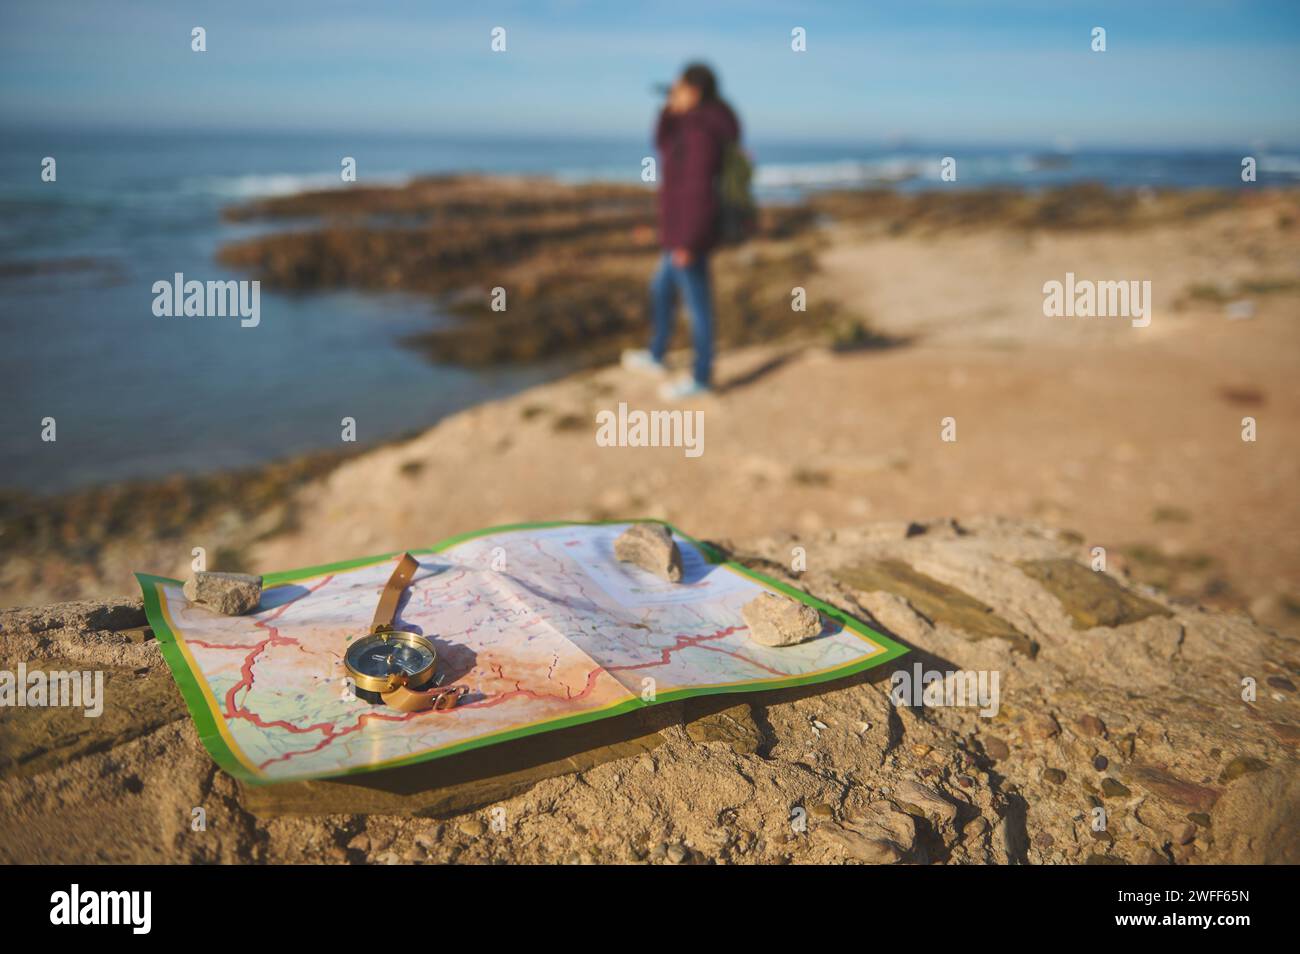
(393, 667)
(381, 662)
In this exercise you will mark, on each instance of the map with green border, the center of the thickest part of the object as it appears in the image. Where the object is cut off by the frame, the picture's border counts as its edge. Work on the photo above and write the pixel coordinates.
(539, 622)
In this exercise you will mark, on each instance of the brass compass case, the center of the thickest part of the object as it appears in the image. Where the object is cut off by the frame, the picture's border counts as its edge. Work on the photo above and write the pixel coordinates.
(381, 662)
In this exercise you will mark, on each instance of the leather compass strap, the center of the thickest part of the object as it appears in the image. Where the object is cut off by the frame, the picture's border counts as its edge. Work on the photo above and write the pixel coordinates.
(405, 699)
(386, 611)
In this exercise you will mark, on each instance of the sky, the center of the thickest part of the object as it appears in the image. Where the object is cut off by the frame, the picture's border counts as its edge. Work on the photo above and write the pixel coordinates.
(1198, 73)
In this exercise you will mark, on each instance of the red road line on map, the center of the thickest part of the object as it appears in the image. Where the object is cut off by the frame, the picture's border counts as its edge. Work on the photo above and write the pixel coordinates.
(694, 642)
(246, 670)
(489, 702)
(496, 700)
(331, 733)
(752, 662)
(207, 645)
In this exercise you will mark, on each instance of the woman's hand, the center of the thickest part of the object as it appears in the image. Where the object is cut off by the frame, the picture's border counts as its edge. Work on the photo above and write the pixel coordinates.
(682, 98)
(682, 257)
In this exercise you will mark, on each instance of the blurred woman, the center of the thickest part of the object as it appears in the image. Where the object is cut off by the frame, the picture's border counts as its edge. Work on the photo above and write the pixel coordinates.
(694, 129)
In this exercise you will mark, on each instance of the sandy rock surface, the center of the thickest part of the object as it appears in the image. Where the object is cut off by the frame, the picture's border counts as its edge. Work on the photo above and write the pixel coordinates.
(1125, 741)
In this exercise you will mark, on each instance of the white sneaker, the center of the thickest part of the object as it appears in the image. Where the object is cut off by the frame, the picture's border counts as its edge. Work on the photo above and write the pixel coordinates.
(683, 389)
(639, 359)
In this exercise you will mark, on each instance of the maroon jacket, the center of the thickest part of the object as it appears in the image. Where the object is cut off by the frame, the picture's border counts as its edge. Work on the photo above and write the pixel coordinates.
(690, 157)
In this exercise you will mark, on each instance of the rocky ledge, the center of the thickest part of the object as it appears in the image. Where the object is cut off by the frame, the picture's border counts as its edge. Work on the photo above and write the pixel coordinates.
(1129, 728)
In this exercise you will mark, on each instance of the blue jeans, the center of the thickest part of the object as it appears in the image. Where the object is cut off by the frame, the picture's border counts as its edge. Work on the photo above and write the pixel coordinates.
(693, 284)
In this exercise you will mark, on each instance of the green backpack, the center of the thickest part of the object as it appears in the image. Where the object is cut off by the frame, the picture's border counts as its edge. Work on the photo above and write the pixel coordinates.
(737, 210)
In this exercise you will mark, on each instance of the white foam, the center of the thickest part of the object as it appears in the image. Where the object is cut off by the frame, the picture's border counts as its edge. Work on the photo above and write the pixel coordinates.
(270, 185)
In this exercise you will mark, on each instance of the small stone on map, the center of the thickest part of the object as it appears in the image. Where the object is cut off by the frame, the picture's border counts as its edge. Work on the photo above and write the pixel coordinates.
(775, 620)
(651, 547)
(231, 594)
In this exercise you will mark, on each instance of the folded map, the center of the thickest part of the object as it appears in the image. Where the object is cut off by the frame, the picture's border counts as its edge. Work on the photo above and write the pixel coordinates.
(541, 624)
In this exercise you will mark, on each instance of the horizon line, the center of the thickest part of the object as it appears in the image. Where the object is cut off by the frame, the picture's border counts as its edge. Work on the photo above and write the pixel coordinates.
(1048, 143)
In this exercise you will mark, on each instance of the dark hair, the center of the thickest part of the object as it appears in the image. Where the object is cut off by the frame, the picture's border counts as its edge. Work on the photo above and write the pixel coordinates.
(701, 78)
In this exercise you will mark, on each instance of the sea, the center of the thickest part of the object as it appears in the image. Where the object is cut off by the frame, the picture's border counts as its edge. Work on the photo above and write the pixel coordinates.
(131, 395)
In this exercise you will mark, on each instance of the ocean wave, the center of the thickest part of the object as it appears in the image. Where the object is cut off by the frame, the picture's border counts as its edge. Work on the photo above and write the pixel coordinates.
(847, 172)
(271, 185)
(891, 170)
(1280, 165)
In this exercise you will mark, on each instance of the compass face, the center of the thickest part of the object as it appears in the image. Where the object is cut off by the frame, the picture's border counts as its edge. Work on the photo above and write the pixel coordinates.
(386, 655)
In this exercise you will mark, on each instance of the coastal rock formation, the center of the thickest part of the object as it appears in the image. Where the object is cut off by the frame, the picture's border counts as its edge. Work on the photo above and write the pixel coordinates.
(573, 258)
(1127, 741)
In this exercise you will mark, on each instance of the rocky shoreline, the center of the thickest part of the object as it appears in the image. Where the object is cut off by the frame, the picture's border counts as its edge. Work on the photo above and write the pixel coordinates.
(574, 261)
